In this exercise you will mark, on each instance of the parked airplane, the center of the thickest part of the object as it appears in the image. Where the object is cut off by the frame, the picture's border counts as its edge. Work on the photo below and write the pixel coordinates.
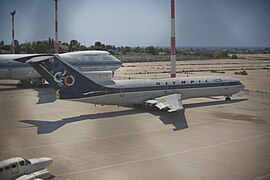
(84, 61)
(25, 169)
(162, 93)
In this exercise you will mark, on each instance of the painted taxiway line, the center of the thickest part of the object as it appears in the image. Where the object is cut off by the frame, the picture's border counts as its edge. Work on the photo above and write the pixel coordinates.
(262, 177)
(165, 155)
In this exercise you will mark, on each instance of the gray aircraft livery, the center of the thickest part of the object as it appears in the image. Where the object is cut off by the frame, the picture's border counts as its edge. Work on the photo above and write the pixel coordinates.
(166, 94)
(84, 61)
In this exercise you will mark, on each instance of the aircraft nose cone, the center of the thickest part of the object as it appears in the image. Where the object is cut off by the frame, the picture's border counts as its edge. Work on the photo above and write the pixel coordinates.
(41, 163)
(243, 87)
(47, 161)
(119, 63)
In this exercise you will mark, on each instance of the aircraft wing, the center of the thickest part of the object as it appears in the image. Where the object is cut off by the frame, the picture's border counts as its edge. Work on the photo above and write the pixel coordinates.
(171, 102)
(34, 58)
(42, 174)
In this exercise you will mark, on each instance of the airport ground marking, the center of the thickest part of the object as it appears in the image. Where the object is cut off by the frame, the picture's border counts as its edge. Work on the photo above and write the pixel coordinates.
(167, 155)
(90, 139)
(104, 137)
(262, 177)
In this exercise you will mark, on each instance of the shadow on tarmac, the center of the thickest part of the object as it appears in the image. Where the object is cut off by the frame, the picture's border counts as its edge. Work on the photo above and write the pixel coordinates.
(177, 119)
(50, 126)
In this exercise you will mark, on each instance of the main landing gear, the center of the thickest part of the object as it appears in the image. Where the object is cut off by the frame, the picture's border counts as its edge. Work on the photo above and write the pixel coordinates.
(228, 98)
(30, 83)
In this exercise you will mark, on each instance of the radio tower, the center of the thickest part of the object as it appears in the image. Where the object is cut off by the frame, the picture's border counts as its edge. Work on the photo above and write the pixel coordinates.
(13, 45)
(56, 43)
(173, 50)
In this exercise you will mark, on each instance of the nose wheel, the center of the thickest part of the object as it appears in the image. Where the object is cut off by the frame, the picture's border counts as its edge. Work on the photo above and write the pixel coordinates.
(228, 98)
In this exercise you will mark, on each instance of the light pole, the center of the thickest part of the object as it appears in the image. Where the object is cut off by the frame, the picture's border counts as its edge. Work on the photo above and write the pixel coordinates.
(56, 43)
(13, 45)
(173, 50)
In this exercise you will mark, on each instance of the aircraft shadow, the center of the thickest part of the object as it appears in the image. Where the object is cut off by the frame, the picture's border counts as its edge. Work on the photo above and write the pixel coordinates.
(7, 84)
(45, 94)
(44, 127)
(212, 103)
(177, 119)
(9, 89)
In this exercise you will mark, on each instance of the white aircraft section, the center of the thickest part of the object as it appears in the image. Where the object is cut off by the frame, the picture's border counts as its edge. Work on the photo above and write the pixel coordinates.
(172, 102)
(25, 169)
(84, 61)
(99, 76)
(133, 92)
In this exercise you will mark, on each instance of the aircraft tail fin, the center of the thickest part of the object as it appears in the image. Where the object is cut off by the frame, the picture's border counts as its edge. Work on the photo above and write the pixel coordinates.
(68, 82)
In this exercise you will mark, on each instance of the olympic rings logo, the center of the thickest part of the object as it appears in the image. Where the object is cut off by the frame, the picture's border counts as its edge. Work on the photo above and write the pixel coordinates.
(62, 77)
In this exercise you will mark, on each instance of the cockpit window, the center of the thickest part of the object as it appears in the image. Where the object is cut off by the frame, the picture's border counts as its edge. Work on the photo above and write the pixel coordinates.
(21, 163)
(13, 165)
(109, 57)
(27, 162)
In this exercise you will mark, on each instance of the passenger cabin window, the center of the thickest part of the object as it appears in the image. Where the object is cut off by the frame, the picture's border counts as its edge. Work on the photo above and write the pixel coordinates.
(1, 169)
(7, 168)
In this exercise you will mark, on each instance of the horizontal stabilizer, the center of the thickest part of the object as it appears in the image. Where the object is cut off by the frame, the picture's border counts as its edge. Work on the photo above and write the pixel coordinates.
(38, 59)
(34, 58)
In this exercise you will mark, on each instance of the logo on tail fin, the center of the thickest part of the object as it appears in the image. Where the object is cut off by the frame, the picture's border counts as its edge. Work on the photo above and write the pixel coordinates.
(61, 75)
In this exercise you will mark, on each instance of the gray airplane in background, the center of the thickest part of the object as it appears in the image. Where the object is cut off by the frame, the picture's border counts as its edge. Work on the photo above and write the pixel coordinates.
(101, 62)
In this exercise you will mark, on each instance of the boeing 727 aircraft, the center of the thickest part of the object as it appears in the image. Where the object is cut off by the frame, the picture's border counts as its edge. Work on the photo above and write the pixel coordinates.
(25, 169)
(84, 61)
(162, 93)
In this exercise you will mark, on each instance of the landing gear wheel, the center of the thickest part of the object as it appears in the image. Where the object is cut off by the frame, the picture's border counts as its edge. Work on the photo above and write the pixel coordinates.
(37, 82)
(227, 98)
(23, 84)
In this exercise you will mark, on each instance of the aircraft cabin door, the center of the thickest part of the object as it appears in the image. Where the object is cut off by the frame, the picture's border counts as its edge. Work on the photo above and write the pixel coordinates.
(122, 91)
(14, 168)
(9, 69)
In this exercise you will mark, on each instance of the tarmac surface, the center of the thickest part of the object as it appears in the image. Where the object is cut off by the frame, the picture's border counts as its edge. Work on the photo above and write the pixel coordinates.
(211, 139)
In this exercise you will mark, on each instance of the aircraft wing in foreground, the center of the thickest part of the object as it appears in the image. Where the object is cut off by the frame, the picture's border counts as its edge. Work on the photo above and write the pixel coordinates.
(171, 102)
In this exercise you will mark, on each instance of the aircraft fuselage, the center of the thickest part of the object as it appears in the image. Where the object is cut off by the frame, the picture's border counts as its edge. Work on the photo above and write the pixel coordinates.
(131, 92)
(82, 61)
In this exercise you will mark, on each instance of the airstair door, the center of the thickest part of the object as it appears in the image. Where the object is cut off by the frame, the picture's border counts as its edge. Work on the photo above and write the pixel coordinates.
(14, 168)
(9, 69)
(122, 91)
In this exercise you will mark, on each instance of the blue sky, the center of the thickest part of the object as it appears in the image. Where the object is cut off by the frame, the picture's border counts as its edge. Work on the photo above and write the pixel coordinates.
(141, 22)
